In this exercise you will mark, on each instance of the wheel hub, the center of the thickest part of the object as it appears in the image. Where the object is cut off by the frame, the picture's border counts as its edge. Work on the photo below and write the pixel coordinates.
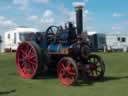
(93, 67)
(25, 59)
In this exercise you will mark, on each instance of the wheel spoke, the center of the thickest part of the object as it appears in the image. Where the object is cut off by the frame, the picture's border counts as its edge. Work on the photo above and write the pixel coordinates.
(62, 65)
(20, 59)
(61, 70)
(61, 73)
(27, 47)
(32, 57)
(33, 68)
(30, 51)
(98, 65)
(71, 73)
(23, 64)
(92, 73)
(24, 67)
(68, 67)
(98, 71)
(23, 53)
(71, 78)
(32, 63)
(52, 31)
(96, 61)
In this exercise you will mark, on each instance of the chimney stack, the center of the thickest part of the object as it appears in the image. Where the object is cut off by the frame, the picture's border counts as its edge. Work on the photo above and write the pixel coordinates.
(79, 17)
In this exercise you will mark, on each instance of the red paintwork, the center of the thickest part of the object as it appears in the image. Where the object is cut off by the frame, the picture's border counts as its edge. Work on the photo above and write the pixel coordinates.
(26, 60)
(66, 72)
(93, 66)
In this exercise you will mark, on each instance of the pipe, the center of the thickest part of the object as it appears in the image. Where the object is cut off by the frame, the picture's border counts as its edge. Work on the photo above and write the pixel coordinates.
(79, 18)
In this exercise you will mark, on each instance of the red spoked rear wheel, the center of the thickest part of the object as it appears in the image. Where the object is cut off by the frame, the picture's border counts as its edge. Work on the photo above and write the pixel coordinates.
(67, 71)
(28, 59)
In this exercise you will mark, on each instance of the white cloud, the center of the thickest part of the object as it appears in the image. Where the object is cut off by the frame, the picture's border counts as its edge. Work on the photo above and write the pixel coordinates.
(120, 25)
(2, 18)
(21, 4)
(90, 28)
(125, 23)
(48, 13)
(5, 8)
(48, 21)
(78, 3)
(86, 1)
(86, 12)
(116, 27)
(70, 15)
(9, 24)
(48, 17)
(33, 18)
(117, 14)
(24, 4)
(6, 23)
(41, 1)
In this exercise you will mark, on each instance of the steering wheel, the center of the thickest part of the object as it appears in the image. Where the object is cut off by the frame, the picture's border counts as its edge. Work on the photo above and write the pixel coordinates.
(51, 33)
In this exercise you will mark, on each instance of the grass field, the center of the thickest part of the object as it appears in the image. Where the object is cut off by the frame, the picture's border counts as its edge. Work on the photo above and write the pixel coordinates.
(114, 84)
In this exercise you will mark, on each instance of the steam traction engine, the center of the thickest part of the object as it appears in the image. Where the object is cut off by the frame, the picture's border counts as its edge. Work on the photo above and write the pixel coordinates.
(64, 49)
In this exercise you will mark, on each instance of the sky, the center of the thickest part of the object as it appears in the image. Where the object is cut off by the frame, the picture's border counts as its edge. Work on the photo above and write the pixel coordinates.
(99, 15)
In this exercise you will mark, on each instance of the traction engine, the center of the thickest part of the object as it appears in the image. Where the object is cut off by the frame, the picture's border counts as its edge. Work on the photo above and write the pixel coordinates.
(64, 49)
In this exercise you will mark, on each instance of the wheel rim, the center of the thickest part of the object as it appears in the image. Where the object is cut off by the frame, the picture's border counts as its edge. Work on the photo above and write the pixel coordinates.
(94, 69)
(66, 72)
(26, 60)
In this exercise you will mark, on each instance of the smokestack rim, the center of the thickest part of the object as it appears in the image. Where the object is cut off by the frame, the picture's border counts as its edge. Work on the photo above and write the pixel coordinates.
(78, 4)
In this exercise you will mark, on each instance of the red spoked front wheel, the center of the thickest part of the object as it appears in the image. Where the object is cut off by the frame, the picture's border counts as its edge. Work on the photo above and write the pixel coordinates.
(67, 71)
(28, 59)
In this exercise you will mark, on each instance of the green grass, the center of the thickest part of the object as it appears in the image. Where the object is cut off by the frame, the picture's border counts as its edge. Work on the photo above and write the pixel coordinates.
(115, 83)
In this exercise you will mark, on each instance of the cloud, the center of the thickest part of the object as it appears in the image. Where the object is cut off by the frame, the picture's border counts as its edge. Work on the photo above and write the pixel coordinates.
(48, 17)
(21, 4)
(90, 28)
(71, 15)
(48, 13)
(125, 23)
(6, 23)
(41, 1)
(117, 14)
(5, 8)
(86, 1)
(78, 3)
(120, 26)
(116, 27)
(33, 18)
(2, 18)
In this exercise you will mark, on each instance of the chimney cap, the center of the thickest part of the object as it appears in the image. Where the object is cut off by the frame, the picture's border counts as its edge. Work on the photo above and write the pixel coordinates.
(78, 4)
